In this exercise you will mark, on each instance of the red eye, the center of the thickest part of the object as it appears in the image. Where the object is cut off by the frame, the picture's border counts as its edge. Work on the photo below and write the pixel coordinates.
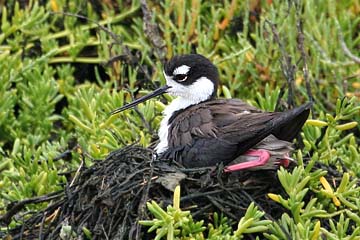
(180, 77)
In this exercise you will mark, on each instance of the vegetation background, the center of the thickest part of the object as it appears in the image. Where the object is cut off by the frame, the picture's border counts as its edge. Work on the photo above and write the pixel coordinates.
(64, 65)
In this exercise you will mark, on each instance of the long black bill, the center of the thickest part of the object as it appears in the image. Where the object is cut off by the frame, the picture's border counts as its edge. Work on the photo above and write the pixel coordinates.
(155, 93)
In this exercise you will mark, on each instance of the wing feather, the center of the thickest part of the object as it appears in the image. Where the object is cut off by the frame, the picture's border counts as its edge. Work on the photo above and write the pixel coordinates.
(220, 130)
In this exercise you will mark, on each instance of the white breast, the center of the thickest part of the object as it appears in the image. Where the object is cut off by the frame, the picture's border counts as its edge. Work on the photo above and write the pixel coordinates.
(176, 105)
(195, 93)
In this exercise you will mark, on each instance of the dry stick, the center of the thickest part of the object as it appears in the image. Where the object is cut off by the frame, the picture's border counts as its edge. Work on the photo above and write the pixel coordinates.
(42, 226)
(115, 37)
(232, 205)
(77, 171)
(120, 234)
(281, 94)
(18, 206)
(220, 207)
(63, 155)
(22, 231)
(144, 199)
(152, 32)
(203, 194)
(103, 229)
(288, 69)
(120, 227)
(301, 47)
(117, 40)
(201, 211)
(54, 210)
(346, 50)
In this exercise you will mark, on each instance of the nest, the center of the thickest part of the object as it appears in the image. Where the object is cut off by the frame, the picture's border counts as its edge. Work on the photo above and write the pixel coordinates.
(110, 197)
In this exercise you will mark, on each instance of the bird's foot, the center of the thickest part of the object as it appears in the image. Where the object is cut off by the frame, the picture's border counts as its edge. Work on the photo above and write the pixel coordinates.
(285, 161)
(260, 159)
(263, 158)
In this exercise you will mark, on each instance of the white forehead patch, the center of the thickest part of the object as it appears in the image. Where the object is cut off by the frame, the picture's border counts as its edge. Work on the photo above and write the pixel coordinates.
(183, 70)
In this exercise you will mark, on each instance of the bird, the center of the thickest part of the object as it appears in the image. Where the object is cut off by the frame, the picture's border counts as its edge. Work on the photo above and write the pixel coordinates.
(200, 130)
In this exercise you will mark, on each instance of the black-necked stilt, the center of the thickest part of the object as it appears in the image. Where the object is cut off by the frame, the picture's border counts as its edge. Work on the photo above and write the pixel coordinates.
(199, 130)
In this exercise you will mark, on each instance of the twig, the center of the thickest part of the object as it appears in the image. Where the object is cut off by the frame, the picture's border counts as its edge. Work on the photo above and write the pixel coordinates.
(152, 32)
(202, 194)
(287, 67)
(120, 228)
(16, 207)
(346, 50)
(78, 171)
(281, 94)
(131, 58)
(144, 199)
(113, 35)
(123, 58)
(22, 231)
(233, 55)
(301, 48)
(42, 226)
(220, 207)
(63, 155)
(105, 234)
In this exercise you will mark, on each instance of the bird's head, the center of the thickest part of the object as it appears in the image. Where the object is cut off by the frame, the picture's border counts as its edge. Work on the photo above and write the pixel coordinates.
(190, 76)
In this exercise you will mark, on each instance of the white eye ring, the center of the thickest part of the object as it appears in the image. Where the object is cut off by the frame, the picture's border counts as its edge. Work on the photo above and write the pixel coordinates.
(180, 77)
(183, 80)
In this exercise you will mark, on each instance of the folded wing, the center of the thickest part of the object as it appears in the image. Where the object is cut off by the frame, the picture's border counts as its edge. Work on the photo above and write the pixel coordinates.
(221, 130)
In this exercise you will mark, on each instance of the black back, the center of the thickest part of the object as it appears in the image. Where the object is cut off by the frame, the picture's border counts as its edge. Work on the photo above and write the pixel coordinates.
(219, 131)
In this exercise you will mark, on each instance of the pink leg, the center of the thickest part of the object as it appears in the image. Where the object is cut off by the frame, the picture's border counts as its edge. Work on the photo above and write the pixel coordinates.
(263, 156)
(284, 162)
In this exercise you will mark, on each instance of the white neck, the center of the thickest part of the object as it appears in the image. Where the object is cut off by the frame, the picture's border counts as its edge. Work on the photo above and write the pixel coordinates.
(177, 104)
(195, 93)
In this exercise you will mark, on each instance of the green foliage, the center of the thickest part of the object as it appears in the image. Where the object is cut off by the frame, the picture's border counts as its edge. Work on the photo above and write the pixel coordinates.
(178, 224)
(301, 224)
(306, 216)
(330, 139)
(41, 100)
(48, 108)
(267, 101)
(337, 141)
(173, 222)
(220, 227)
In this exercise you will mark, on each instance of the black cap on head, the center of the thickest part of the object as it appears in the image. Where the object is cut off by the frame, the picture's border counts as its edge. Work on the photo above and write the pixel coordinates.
(199, 66)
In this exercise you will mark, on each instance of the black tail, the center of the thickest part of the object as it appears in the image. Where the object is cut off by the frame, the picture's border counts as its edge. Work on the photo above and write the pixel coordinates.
(283, 125)
(289, 124)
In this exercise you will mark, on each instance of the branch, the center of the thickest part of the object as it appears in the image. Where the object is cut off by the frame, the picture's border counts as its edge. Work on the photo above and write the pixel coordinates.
(346, 50)
(152, 32)
(301, 48)
(16, 207)
(287, 67)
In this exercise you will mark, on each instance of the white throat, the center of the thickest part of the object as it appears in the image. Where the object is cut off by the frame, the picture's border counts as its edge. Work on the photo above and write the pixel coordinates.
(195, 93)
